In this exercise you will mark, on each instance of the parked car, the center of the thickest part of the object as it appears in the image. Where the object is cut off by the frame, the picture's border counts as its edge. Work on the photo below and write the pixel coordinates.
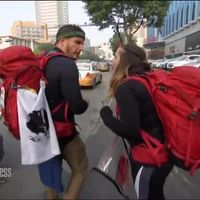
(103, 67)
(194, 63)
(95, 65)
(163, 64)
(183, 60)
(88, 76)
(155, 63)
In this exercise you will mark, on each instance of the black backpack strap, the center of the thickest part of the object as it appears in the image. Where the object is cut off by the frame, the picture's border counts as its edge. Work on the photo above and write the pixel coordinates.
(119, 189)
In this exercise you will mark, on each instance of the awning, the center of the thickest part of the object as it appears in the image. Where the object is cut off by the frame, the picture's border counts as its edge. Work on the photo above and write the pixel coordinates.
(154, 45)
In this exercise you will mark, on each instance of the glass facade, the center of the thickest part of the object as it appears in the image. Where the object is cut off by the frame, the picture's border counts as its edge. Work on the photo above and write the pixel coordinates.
(179, 15)
(180, 32)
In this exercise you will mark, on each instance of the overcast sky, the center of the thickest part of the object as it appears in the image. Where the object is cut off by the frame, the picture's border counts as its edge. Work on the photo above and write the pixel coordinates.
(11, 11)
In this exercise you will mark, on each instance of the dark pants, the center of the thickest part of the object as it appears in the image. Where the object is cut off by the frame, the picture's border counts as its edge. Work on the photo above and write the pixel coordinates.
(149, 180)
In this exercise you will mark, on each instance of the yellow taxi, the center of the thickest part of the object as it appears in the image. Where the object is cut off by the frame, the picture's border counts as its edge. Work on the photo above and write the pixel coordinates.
(88, 76)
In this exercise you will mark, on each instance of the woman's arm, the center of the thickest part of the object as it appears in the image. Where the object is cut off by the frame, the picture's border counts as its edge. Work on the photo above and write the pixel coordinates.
(128, 125)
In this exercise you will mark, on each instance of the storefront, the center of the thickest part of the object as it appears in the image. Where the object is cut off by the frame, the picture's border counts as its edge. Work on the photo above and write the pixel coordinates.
(192, 43)
(155, 50)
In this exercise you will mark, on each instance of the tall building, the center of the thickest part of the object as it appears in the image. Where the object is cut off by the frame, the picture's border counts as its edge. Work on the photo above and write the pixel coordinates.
(103, 51)
(141, 36)
(29, 30)
(86, 44)
(53, 13)
(181, 29)
(180, 33)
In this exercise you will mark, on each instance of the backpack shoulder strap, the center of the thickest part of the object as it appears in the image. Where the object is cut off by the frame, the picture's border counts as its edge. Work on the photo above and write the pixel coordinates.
(53, 53)
(50, 54)
(144, 80)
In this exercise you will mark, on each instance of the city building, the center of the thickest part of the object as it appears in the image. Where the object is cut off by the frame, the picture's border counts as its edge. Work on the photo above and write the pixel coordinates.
(181, 30)
(141, 36)
(180, 33)
(103, 51)
(53, 13)
(29, 30)
(93, 49)
(86, 44)
(154, 45)
(7, 41)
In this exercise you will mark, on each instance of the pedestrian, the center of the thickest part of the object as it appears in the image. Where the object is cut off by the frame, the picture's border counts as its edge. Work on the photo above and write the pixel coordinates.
(63, 86)
(136, 112)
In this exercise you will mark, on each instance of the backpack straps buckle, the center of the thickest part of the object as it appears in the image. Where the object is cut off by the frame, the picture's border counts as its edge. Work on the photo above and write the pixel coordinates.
(193, 115)
(14, 85)
(163, 88)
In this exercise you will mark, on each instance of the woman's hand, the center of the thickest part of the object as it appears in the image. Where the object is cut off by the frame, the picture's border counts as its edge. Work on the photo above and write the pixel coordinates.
(106, 112)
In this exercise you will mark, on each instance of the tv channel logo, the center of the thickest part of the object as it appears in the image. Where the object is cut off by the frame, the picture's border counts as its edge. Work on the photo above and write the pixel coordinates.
(5, 172)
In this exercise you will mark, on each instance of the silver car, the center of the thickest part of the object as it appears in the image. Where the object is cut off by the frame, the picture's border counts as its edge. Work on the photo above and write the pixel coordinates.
(194, 63)
(183, 60)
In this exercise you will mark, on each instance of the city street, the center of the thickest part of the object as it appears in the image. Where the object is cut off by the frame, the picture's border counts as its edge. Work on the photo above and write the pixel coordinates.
(25, 184)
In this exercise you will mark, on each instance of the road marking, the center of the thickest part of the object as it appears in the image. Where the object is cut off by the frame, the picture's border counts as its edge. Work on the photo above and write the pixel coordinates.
(99, 121)
(110, 101)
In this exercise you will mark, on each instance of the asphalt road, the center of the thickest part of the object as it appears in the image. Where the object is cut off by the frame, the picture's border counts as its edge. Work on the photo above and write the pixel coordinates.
(25, 184)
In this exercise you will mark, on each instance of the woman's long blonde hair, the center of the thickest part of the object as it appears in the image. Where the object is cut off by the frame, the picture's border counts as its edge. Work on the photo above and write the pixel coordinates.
(132, 60)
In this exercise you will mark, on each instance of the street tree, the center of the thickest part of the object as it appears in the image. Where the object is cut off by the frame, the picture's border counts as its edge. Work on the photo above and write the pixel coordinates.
(115, 41)
(126, 16)
(43, 47)
(89, 55)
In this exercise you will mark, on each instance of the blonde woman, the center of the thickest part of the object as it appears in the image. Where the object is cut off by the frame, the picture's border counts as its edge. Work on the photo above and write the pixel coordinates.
(136, 112)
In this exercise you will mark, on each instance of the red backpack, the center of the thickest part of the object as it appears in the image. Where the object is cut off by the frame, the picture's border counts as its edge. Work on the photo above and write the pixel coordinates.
(21, 68)
(176, 95)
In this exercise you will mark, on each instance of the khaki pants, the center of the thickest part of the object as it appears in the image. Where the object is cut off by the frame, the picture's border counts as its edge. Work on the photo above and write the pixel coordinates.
(75, 155)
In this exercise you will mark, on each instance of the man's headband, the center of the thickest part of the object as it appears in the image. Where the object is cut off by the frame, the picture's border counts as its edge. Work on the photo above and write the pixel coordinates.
(71, 34)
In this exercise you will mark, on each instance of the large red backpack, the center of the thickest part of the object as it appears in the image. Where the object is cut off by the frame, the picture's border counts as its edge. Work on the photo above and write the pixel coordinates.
(176, 95)
(20, 67)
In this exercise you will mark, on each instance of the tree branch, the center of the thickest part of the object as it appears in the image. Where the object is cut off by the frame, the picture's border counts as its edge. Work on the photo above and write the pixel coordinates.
(137, 27)
(116, 30)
